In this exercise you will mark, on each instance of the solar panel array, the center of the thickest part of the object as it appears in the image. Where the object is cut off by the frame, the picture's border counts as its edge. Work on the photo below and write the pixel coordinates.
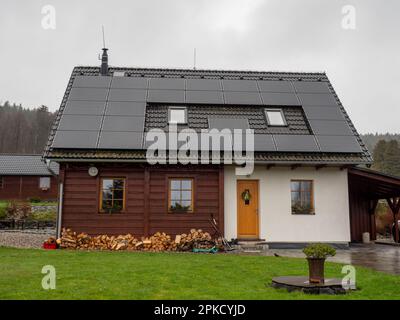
(109, 112)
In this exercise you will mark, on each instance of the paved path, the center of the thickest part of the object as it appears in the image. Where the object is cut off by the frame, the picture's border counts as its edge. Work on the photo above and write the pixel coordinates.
(379, 257)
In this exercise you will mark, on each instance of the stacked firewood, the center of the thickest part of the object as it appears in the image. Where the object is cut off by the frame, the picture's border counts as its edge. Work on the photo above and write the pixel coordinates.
(160, 241)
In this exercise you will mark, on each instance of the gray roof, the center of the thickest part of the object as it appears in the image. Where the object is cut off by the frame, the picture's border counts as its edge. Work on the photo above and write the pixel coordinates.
(100, 113)
(25, 165)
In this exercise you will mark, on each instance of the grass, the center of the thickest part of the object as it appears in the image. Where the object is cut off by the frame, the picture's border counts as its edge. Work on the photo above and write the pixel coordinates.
(135, 275)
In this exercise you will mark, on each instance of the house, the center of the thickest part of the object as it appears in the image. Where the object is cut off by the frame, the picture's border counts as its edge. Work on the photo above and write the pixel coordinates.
(24, 177)
(301, 141)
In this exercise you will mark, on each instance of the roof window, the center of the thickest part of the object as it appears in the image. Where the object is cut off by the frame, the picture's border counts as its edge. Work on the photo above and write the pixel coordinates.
(275, 117)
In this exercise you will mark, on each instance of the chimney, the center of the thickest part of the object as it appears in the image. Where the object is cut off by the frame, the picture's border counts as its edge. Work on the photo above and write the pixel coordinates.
(104, 63)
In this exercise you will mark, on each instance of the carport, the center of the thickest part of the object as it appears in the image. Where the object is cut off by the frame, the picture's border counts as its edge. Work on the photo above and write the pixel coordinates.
(366, 188)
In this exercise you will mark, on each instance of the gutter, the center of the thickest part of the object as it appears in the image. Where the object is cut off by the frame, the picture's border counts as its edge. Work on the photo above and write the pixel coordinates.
(288, 162)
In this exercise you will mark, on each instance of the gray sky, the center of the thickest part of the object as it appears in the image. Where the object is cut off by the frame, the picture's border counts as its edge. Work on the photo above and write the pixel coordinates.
(285, 35)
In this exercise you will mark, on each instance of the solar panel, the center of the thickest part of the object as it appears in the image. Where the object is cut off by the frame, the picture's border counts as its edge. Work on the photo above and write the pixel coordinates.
(75, 139)
(317, 99)
(311, 87)
(330, 127)
(91, 82)
(247, 98)
(264, 142)
(84, 107)
(126, 108)
(166, 96)
(228, 123)
(240, 85)
(275, 86)
(303, 143)
(279, 99)
(339, 144)
(209, 97)
(155, 143)
(88, 94)
(129, 83)
(127, 95)
(323, 113)
(123, 123)
(167, 83)
(203, 84)
(120, 140)
(80, 122)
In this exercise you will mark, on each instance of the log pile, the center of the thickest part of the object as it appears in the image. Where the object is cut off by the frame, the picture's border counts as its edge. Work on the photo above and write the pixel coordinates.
(159, 241)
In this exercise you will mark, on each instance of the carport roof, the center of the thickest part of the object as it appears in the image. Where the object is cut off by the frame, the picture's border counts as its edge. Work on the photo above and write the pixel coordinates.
(374, 184)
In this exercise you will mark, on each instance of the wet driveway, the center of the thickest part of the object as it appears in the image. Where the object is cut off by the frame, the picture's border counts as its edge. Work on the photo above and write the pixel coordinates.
(376, 256)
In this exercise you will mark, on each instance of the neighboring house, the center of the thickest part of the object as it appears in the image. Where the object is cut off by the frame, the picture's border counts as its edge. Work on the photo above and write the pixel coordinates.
(304, 145)
(24, 177)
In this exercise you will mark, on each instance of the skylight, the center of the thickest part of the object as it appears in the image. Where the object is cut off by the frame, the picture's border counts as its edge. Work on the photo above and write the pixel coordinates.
(177, 115)
(275, 117)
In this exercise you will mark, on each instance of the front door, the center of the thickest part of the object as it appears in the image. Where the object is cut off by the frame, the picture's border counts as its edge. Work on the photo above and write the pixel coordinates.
(247, 209)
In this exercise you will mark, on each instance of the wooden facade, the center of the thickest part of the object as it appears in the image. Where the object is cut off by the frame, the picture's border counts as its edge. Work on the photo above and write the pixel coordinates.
(14, 187)
(146, 199)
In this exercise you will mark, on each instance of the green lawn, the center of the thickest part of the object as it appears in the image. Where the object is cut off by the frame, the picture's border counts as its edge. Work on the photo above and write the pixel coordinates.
(134, 275)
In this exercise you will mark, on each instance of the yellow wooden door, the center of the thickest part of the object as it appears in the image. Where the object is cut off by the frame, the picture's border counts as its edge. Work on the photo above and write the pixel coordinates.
(247, 209)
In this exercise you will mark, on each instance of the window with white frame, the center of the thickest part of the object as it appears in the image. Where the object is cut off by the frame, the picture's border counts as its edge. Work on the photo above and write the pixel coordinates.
(275, 117)
(177, 115)
(44, 183)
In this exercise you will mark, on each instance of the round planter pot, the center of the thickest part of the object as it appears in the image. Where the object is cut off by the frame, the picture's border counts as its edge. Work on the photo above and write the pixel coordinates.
(316, 270)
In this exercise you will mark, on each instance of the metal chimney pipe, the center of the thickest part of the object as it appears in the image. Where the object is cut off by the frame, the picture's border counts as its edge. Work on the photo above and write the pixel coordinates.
(104, 63)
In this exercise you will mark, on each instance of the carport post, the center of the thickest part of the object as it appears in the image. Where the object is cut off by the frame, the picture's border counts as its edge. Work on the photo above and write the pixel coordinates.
(394, 205)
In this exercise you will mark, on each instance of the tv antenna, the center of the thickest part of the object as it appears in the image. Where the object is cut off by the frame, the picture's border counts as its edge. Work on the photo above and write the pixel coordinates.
(194, 59)
(104, 38)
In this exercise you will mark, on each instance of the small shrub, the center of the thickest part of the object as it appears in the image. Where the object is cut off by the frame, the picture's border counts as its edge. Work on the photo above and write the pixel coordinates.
(3, 212)
(35, 200)
(18, 210)
(43, 216)
(319, 251)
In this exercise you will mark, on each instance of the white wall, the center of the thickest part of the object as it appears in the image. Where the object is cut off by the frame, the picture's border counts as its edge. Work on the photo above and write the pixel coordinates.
(330, 222)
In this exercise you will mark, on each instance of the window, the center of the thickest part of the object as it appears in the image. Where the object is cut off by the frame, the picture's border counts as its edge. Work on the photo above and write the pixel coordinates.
(302, 197)
(180, 197)
(177, 115)
(112, 197)
(275, 117)
(44, 183)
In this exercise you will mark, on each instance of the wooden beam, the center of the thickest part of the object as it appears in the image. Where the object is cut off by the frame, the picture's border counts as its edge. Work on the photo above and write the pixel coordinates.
(344, 167)
(320, 166)
(372, 208)
(394, 205)
(270, 165)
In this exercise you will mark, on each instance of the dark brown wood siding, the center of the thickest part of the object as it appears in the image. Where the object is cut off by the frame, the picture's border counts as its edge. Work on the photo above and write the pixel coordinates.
(361, 218)
(25, 187)
(146, 207)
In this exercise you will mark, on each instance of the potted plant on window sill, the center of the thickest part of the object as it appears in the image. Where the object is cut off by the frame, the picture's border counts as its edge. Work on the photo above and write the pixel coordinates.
(178, 208)
(316, 254)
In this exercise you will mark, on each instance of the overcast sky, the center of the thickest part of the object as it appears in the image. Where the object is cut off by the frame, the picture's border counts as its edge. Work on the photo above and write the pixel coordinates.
(363, 64)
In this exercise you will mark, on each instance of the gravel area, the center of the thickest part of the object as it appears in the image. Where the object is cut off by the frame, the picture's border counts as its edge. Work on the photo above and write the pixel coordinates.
(24, 239)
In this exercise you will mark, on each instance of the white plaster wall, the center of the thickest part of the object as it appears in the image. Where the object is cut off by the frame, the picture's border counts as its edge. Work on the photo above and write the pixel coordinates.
(330, 222)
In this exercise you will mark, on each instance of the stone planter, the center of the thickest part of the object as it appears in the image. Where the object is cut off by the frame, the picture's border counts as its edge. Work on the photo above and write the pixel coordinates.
(316, 270)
